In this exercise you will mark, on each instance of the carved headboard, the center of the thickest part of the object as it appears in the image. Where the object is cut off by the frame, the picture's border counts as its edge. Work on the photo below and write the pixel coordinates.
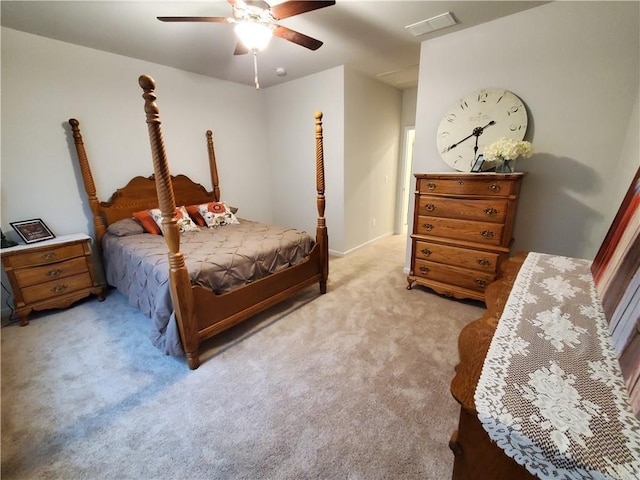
(140, 192)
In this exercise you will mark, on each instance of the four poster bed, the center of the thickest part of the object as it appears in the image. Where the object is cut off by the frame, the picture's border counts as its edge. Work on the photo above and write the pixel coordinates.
(211, 278)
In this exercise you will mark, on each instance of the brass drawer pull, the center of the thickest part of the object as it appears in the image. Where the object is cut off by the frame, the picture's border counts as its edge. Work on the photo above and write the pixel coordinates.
(426, 252)
(484, 262)
(59, 288)
(431, 186)
(494, 187)
(488, 234)
(49, 256)
(430, 207)
(428, 226)
(492, 212)
(425, 269)
(54, 273)
(481, 282)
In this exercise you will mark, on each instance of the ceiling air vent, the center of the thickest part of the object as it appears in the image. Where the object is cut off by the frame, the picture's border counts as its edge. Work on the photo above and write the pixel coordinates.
(432, 24)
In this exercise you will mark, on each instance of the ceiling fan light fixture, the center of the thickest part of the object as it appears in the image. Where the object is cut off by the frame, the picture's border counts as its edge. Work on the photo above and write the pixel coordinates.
(254, 36)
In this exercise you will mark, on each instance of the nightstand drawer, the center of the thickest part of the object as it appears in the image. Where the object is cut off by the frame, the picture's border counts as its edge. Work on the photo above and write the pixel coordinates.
(46, 273)
(453, 275)
(489, 210)
(477, 260)
(62, 286)
(478, 232)
(43, 257)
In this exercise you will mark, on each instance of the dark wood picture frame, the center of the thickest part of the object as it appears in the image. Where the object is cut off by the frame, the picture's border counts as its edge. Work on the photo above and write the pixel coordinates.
(32, 231)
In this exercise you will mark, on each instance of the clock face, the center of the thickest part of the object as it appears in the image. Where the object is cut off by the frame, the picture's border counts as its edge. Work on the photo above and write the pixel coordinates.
(479, 119)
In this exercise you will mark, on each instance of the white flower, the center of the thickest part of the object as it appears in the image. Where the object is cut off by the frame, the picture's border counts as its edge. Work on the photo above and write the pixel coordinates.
(508, 149)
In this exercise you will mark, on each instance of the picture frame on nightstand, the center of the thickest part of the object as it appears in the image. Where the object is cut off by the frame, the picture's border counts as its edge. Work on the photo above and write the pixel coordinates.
(32, 231)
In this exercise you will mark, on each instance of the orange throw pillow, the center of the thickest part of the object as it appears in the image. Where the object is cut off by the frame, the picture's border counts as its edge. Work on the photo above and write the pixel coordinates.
(195, 214)
(147, 222)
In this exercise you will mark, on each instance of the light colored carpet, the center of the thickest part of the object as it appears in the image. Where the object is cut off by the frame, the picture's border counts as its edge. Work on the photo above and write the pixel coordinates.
(353, 384)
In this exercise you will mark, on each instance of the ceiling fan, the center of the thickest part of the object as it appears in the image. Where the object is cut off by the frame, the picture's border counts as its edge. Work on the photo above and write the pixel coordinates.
(256, 22)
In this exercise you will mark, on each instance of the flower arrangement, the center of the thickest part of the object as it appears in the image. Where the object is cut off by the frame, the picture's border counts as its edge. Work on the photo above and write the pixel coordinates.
(505, 151)
(508, 149)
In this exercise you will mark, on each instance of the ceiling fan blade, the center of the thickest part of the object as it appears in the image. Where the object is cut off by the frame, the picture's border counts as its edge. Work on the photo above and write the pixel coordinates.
(240, 49)
(296, 7)
(194, 19)
(297, 37)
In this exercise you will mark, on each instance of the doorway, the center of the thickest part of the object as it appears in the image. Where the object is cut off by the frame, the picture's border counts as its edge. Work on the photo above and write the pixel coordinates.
(404, 175)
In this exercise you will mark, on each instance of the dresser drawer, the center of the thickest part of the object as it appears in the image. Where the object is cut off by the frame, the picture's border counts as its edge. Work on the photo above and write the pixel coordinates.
(477, 186)
(46, 273)
(477, 232)
(453, 275)
(45, 256)
(487, 210)
(55, 288)
(474, 259)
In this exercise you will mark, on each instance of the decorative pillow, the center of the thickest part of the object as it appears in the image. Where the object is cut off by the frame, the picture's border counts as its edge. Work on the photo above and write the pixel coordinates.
(216, 214)
(147, 221)
(124, 227)
(195, 214)
(185, 224)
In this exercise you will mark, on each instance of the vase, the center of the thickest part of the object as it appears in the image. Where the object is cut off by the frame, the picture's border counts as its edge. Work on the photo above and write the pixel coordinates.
(506, 166)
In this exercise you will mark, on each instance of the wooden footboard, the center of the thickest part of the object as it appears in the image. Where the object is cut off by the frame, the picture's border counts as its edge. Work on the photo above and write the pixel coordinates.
(201, 314)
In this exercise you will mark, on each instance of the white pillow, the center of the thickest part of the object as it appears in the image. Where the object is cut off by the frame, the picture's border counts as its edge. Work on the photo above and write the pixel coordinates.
(217, 214)
(185, 224)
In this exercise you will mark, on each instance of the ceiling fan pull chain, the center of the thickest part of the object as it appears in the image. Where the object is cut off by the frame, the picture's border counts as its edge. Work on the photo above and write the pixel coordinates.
(255, 69)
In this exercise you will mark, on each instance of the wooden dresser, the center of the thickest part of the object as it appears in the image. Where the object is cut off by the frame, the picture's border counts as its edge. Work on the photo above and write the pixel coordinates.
(462, 230)
(50, 274)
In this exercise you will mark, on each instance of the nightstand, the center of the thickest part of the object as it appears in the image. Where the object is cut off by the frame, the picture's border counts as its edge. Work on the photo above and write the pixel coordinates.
(50, 274)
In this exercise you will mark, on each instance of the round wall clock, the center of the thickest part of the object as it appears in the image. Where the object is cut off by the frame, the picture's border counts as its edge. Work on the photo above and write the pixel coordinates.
(477, 120)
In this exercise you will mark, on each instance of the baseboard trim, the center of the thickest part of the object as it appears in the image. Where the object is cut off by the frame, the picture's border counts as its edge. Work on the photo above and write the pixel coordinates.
(351, 250)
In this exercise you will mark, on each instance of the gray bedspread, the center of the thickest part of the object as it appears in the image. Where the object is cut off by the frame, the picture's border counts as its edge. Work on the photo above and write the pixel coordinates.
(221, 259)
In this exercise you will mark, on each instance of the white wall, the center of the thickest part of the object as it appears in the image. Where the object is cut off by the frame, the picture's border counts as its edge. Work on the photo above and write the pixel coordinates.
(372, 144)
(576, 67)
(45, 82)
(291, 134)
(264, 139)
(361, 142)
(409, 104)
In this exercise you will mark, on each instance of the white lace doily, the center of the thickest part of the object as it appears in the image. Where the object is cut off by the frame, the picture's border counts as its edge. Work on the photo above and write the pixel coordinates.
(551, 393)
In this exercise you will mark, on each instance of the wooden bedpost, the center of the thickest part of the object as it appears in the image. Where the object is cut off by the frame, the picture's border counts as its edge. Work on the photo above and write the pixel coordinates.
(212, 165)
(321, 232)
(181, 292)
(89, 185)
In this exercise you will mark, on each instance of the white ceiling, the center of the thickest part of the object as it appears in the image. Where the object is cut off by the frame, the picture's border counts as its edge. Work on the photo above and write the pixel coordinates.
(367, 35)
